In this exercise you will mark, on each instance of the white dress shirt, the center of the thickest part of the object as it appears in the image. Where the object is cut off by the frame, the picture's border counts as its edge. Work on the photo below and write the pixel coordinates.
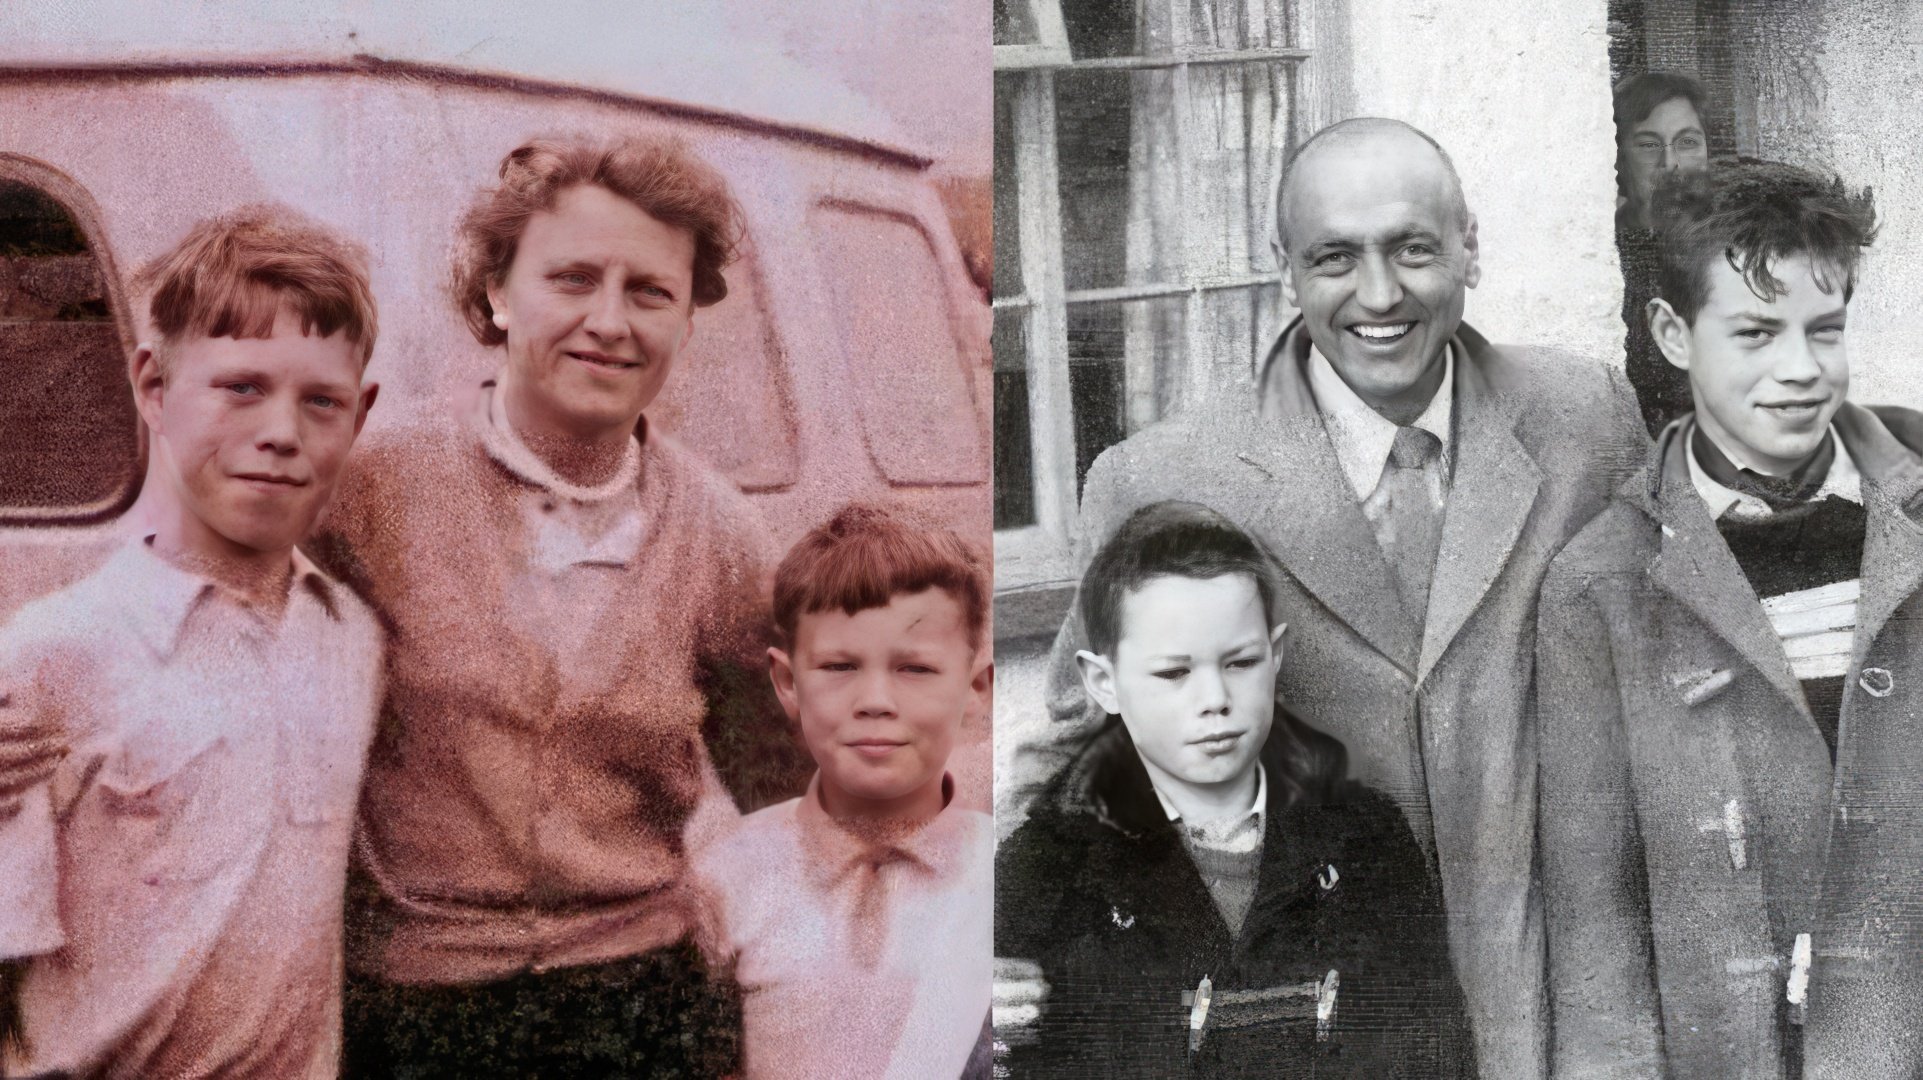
(1362, 437)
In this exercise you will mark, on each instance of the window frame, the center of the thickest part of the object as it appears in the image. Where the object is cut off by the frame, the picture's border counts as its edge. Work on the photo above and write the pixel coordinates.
(1036, 564)
(80, 206)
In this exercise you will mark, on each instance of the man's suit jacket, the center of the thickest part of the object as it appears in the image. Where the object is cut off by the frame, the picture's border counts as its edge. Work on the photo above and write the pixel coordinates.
(1541, 439)
(1692, 823)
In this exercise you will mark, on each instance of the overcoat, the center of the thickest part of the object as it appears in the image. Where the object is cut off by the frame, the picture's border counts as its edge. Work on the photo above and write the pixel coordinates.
(1692, 823)
(1098, 889)
(1433, 711)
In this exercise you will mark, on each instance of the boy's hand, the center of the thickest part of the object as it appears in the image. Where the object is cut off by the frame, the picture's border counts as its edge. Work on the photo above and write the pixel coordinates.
(1020, 990)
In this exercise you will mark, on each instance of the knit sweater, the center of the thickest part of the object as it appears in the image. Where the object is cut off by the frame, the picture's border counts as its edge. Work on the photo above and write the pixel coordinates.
(525, 802)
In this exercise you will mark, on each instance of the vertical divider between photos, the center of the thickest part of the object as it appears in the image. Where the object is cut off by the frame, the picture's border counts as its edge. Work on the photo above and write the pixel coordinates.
(1053, 462)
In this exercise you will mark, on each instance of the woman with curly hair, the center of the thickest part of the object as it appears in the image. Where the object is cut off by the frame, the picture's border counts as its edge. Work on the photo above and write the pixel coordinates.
(577, 619)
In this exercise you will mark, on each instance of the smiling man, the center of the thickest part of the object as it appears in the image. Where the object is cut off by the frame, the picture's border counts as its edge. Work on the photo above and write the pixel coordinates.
(1729, 742)
(1414, 481)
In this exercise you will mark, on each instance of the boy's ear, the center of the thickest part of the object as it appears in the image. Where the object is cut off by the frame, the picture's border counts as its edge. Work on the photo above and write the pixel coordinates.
(981, 684)
(369, 391)
(782, 671)
(149, 384)
(1098, 678)
(1275, 639)
(1671, 333)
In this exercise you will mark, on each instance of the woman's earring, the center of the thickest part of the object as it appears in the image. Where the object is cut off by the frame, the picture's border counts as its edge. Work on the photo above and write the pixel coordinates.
(500, 319)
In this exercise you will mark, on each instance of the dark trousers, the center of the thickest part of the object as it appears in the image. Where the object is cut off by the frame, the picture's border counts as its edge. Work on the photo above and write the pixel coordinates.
(662, 1014)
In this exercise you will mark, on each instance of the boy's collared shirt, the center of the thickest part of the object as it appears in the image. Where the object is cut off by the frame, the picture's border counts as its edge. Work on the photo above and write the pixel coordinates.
(857, 957)
(1363, 437)
(1844, 481)
(1240, 833)
(177, 885)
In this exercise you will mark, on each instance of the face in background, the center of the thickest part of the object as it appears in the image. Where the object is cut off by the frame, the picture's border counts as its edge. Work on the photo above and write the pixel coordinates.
(880, 696)
(250, 434)
(598, 301)
(1379, 260)
(1193, 679)
(1670, 138)
(1767, 375)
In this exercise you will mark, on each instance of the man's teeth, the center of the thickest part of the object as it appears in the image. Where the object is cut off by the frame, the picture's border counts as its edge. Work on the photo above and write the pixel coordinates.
(1381, 333)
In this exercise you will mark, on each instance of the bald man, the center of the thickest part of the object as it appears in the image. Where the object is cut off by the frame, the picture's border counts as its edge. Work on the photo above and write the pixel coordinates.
(1413, 481)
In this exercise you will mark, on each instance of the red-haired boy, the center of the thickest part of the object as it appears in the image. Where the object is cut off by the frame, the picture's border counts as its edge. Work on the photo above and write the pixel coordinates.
(860, 913)
(182, 732)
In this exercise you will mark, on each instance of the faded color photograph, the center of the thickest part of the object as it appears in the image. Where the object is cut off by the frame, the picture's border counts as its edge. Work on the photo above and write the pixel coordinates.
(1376, 698)
(494, 541)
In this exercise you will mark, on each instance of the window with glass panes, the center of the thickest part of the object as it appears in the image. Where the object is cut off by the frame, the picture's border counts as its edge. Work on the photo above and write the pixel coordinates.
(1135, 146)
(70, 445)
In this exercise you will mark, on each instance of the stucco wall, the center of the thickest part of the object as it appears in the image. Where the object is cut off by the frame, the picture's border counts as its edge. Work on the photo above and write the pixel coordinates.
(1519, 96)
(1871, 58)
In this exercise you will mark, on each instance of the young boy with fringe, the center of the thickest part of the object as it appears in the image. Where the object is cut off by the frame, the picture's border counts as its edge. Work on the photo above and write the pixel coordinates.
(182, 732)
(859, 914)
(1201, 891)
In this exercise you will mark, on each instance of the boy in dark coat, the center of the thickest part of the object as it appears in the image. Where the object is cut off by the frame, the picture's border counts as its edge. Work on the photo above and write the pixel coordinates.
(1200, 891)
(1731, 841)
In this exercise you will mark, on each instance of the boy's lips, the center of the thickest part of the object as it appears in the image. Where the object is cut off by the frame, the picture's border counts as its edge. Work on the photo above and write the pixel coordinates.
(270, 481)
(1217, 742)
(875, 748)
(1796, 409)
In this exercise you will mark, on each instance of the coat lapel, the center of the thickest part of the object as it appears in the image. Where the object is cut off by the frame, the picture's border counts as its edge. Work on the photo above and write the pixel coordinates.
(1309, 514)
(1893, 545)
(1696, 567)
(1491, 493)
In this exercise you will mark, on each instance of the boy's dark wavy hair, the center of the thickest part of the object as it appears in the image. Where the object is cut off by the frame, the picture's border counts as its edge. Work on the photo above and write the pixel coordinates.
(1188, 540)
(1752, 214)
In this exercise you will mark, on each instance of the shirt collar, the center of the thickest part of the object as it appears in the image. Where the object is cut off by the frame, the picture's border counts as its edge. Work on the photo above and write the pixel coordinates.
(1363, 437)
(1845, 480)
(158, 596)
(1259, 809)
(504, 445)
(939, 844)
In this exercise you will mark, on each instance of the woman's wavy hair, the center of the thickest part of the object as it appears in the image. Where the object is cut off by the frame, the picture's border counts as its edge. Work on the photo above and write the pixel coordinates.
(1753, 214)
(659, 175)
(1189, 540)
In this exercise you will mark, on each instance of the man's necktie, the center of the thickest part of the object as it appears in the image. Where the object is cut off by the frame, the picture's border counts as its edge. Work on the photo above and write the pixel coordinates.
(1406, 510)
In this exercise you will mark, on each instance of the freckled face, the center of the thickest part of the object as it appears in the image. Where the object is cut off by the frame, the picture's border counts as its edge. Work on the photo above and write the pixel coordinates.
(880, 696)
(598, 302)
(252, 433)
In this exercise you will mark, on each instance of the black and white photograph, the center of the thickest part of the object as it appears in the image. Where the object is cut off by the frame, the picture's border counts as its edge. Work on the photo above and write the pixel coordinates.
(1459, 516)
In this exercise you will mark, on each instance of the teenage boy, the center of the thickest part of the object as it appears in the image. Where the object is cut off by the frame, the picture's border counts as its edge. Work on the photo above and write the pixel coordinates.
(1729, 658)
(859, 914)
(1201, 888)
(171, 874)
